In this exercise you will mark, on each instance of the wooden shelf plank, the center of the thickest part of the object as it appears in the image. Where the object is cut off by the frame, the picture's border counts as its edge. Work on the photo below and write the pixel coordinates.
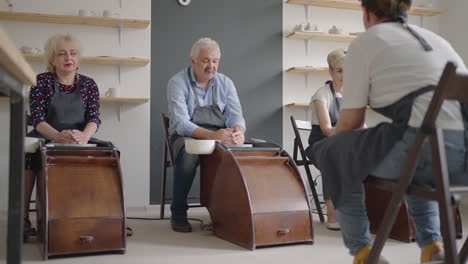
(321, 36)
(103, 100)
(308, 69)
(12, 61)
(105, 60)
(80, 20)
(124, 100)
(299, 105)
(354, 5)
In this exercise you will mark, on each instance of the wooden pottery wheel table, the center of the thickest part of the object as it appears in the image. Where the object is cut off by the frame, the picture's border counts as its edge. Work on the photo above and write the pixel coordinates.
(255, 196)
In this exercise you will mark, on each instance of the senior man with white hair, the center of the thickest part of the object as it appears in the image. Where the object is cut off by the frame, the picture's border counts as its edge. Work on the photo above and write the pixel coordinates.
(202, 104)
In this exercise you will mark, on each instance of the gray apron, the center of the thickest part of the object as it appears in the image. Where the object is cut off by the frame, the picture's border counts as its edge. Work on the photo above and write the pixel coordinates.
(209, 117)
(348, 158)
(316, 133)
(65, 111)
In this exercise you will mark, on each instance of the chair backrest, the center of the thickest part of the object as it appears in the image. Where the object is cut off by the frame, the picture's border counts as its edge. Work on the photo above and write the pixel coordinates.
(457, 87)
(303, 125)
(299, 125)
(167, 137)
(451, 86)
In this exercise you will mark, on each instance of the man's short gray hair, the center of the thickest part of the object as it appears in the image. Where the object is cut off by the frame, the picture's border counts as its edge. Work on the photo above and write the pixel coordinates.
(204, 43)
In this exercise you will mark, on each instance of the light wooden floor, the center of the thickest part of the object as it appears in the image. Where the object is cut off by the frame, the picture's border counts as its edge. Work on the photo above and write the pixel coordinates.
(154, 242)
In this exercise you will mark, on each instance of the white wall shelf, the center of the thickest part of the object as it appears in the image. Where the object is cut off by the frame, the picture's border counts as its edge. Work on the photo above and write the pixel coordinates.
(79, 20)
(354, 5)
(101, 60)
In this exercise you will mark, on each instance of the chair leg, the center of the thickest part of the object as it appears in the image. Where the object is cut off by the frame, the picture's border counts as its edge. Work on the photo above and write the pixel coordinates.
(396, 201)
(314, 193)
(295, 149)
(443, 196)
(448, 230)
(385, 226)
(163, 183)
(464, 253)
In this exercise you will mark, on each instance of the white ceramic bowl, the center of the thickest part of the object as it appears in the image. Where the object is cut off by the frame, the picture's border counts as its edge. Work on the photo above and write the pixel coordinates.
(30, 144)
(200, 146)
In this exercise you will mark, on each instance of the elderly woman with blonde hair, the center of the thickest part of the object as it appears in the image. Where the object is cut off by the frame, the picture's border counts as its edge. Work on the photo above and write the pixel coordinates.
(64, 104)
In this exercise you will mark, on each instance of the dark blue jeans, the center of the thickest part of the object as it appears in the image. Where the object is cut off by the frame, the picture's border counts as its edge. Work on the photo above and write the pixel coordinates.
(185, 168)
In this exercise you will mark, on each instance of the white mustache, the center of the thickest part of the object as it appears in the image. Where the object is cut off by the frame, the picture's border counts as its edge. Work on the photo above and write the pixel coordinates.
(210, 70)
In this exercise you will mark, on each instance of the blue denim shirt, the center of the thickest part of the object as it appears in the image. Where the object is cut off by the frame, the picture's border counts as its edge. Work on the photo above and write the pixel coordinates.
(181, 103)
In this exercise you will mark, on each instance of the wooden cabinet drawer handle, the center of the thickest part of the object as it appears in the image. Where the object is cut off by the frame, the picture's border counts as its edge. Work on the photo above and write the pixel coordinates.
(86, 239)
(283, 231)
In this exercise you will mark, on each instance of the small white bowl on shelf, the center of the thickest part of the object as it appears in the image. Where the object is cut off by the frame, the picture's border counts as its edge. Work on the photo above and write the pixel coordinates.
(200, 146)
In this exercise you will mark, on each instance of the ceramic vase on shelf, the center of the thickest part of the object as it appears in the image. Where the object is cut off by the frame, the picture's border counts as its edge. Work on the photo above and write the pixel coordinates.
(6, 5)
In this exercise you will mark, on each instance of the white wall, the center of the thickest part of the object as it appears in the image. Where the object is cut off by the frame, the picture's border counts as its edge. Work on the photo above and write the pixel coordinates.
(294, 84)
(453, 26)
(131, 134)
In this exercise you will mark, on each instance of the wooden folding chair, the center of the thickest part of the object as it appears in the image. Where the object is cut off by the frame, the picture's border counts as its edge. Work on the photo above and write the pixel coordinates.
(167, 163)
(452, 86)
(305, 125)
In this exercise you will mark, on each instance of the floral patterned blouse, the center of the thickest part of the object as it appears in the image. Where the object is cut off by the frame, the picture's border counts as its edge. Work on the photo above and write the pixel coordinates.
(41, 95)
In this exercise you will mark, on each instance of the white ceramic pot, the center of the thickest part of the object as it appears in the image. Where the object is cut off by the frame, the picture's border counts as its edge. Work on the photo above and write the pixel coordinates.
(30, 144)
(200, 146)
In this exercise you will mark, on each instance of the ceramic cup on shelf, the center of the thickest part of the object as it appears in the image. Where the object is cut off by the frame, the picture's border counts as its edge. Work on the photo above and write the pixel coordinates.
(311, 27)
(112, 92)
(86, 12)
(6, 5)
(336, 30)
(110, 13)
(300, 27)
(83, 12)
(106, 13)
(36, 51)
(26, 50)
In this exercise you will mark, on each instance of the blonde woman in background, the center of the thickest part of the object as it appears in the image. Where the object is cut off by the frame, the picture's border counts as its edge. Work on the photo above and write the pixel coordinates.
(326, 104)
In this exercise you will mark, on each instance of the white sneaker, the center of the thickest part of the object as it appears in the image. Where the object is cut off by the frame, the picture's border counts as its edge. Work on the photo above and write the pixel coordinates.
(334, 226)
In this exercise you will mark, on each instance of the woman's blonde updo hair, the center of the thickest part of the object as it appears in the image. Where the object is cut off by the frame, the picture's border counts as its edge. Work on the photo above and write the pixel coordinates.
(336, 59)
(386, 8)
(51, 48)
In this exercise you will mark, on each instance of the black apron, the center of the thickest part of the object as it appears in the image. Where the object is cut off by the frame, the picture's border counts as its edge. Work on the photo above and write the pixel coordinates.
(316, 133)
(348, 158)
(65, 111)
(209, 117)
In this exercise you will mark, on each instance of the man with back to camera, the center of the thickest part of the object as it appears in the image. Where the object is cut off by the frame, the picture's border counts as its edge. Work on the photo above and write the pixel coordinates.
(202, 104)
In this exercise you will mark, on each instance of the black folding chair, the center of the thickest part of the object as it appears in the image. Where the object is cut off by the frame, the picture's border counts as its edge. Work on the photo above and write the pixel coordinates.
(305, 162)
(168, 161)
(452, 86)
